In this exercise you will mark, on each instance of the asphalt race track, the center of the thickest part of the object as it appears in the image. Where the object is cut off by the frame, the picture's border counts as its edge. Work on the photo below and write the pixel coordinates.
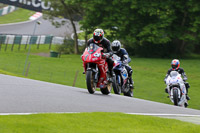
(45, 28)
(21, 95)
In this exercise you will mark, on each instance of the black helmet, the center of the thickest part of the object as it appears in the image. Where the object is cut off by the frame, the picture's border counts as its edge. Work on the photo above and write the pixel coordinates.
(116, 45)
(98, 35)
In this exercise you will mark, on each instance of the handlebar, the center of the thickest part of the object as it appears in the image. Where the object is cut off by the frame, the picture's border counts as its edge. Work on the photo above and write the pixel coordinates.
(105, 55)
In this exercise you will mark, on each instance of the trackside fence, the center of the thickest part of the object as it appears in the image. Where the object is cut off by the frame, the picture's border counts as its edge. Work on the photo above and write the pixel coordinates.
(40, 72)
(36, 69)
(29, 39)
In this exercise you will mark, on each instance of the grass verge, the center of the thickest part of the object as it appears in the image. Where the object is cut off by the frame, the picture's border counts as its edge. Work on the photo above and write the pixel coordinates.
(93, 123)
(148, 74)
(19, 15)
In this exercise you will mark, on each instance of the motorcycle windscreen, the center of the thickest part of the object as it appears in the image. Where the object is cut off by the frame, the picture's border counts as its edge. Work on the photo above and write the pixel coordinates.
(92, 48)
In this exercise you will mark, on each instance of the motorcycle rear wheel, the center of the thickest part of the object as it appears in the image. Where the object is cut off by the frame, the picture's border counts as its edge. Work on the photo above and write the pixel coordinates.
(107, 89)
(129, 93)
(91, 85)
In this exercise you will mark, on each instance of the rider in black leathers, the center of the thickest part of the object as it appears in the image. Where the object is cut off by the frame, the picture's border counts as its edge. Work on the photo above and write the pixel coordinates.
(175, 67)
(100, 40)
(122, 53)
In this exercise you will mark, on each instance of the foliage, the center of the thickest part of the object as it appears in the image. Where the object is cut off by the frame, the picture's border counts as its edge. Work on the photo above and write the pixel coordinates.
(70, 9)
(66, 47)
(138, 23)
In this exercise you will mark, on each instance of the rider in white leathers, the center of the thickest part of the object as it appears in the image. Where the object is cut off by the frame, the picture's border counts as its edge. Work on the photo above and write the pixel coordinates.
(175, 78)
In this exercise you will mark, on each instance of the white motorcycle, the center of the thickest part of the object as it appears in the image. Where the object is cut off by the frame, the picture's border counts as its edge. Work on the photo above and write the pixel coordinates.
(176, 89)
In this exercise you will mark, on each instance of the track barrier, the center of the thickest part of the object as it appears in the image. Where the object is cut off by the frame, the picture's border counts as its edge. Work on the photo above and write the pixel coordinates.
(7, 9)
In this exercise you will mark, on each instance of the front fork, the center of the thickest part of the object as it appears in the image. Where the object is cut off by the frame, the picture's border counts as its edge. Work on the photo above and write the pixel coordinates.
(119, 79)
(124, 75)
(94, 68)
(96, 77)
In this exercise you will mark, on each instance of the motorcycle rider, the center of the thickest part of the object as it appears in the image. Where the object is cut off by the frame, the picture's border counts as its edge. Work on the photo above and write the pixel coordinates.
(122, 53)
(176, 67)
(99, 39)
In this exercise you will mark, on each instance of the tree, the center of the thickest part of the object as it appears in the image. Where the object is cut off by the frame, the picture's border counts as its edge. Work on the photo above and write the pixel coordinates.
(70, 9)
(152, 28)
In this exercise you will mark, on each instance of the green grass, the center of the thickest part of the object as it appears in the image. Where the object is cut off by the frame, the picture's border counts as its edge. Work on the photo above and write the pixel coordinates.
(93, 123)
(19, 15)
(148, 74)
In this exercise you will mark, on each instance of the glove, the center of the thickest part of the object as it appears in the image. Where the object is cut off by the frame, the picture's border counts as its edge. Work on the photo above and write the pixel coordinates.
(184, 79)
(125, 62)
(106, 55)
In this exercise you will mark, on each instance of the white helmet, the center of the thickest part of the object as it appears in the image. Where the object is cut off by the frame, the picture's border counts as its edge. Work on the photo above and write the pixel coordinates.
(116, 45)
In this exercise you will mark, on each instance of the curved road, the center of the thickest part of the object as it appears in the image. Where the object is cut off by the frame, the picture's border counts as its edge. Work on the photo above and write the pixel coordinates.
(21, 95)
(45, 28)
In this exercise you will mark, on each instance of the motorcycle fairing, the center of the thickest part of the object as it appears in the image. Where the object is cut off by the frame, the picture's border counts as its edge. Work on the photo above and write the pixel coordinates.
(93, 54)
(176, 82)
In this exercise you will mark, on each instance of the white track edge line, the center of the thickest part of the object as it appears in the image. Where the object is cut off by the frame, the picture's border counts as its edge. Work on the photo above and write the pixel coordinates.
(147, 114)
(38, 113)
(157, 114)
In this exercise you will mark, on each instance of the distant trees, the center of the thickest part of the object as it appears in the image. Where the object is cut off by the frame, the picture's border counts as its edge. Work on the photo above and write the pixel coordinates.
(70, 9)
(153, 28)
(148, 28)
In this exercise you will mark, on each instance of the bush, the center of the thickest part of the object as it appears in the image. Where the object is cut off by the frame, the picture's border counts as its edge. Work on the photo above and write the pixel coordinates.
(66, 48)
(152, 50)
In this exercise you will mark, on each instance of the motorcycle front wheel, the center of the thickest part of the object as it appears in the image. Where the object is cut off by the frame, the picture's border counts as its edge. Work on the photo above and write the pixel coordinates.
(175, 97)
(116, 86)
(91, 85)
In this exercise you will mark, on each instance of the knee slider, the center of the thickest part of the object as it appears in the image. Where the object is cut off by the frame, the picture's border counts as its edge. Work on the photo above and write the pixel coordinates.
(130, 72)
(187, 85)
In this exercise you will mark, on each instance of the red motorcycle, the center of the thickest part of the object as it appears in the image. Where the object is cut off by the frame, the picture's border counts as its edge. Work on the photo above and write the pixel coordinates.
(96, 69)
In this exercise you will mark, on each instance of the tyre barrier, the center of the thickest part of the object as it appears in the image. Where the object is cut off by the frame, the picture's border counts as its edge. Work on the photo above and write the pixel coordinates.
(30, 39)
(7, 9)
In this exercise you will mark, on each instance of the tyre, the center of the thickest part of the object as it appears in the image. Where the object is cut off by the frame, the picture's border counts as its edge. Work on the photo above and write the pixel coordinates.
(175, 96)
(116, 86)
(106, 90)
(129, 93)
(91, 85)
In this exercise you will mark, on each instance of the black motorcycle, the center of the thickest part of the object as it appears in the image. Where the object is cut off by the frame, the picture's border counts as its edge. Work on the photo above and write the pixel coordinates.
(121, 82)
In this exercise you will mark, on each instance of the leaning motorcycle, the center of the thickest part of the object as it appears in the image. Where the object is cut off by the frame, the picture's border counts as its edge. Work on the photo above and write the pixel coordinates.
(121, 82)
(176, 89)
(96, 69)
